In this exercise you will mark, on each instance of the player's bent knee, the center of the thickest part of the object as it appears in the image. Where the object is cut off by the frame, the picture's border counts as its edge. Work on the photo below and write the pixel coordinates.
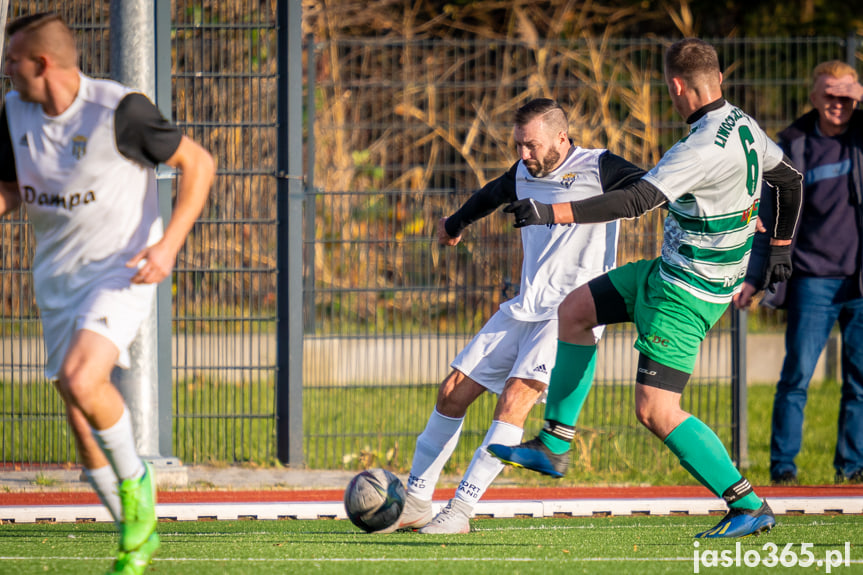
(451, 405)
(576, 311)
(456, 393)
(570, 309)
(76, 388)
(645, 416)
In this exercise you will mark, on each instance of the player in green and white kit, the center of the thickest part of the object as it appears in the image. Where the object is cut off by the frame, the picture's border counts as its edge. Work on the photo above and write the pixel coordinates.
(711, 183)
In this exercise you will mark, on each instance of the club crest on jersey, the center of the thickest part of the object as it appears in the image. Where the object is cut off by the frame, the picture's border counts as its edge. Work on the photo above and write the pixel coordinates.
(79, 146)
(567, 179)
(747, 214)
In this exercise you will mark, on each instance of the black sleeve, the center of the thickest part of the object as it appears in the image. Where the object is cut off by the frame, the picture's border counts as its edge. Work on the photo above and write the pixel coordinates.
(616, 173)
(630, 202)
(143, 134)
(786, 187)
(761, 242)
(772, 202)
(8, 173)
(484, 201)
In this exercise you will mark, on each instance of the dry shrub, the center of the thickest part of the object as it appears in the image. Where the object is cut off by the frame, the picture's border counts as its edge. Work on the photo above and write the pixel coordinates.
(407, 127)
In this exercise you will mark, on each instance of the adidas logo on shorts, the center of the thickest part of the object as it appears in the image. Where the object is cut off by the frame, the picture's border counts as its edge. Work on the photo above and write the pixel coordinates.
(540, 369)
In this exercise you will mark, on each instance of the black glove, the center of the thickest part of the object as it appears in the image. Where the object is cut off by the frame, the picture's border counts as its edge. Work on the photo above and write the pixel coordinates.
(529, 212)
(778, 268)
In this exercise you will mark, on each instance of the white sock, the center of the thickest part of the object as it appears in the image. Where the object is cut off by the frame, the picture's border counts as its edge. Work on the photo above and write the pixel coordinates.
(484, 467)
(104, 481)
(118, 443)
(434, 448)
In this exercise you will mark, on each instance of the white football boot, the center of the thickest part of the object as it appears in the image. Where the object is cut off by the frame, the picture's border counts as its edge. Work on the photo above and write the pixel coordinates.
(454, 518)
(415, 514)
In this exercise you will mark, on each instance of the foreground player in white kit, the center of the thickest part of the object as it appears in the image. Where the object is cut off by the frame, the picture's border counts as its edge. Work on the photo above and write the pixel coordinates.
(514, 352)
(711, 182)
(80, 155)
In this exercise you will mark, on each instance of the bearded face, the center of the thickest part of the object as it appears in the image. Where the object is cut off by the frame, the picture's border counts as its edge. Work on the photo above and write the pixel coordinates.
(538, 147)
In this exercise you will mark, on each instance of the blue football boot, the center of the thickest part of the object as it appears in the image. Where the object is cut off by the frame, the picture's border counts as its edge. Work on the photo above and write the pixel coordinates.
(743, 523)
(533, 455)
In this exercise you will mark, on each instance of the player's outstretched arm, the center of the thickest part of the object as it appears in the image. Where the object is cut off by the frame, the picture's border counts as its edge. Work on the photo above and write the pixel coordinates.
(480, 204)
(629, 202)
(443, 237)
(529, 212)
(10, 198)
(197, 169)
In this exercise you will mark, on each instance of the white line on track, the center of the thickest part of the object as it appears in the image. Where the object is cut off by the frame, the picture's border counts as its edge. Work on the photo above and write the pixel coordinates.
(474, 528)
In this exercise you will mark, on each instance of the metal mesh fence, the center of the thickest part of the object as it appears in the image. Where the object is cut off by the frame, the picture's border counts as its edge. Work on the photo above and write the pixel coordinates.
(224, 307)
(403, 131)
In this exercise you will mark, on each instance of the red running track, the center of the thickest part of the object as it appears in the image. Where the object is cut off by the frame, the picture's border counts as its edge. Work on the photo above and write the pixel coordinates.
(495, 493)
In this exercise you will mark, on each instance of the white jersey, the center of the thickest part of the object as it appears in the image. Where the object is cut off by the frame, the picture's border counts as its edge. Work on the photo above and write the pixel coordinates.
(712, 179)
(91, 207)
(560, 257)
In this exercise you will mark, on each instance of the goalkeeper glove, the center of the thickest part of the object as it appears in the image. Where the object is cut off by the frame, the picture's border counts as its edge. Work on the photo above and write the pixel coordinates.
(529, 212)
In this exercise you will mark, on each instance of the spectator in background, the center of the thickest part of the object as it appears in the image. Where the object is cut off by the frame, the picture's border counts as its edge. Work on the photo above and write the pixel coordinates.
(826, 144)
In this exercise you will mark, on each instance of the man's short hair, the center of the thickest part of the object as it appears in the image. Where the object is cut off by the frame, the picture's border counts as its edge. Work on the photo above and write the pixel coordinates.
(833, 68)
(553, 114)
(32, 22)
(690, 59)
(52, 33)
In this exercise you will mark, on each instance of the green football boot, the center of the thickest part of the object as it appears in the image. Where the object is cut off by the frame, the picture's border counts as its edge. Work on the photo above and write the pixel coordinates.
(135, 562)
(138, 498)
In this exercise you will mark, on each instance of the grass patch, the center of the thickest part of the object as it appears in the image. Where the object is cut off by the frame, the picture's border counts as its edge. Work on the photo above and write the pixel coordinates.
(610, 446)
(815, 461)
(596, 545)
(43, 480)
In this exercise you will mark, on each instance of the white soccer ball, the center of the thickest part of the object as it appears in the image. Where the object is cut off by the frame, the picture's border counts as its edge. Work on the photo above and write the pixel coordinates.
(374, 499)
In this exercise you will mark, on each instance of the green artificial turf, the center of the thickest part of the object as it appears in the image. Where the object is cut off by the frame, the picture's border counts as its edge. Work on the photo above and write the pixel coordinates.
(596, 545)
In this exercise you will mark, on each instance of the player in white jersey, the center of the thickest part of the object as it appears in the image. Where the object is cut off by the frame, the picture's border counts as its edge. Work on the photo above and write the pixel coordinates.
(711, 183)
(79, 154)
(513, 354)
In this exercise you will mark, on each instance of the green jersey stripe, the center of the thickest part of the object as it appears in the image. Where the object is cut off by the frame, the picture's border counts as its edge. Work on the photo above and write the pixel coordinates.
(716, 255)
(715, 225)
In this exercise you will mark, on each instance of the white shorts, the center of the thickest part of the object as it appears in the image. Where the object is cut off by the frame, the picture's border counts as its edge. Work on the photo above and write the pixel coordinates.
(505, 348)
(115, 314)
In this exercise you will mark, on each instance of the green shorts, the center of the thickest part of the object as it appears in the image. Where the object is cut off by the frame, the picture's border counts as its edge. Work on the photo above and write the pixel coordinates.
(671, 322)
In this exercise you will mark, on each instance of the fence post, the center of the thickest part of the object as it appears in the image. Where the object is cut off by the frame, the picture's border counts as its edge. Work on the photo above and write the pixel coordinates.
(164, 186)
(309, 249)
(851, 49)
(133, 54)
(289, 307)
(739, 411)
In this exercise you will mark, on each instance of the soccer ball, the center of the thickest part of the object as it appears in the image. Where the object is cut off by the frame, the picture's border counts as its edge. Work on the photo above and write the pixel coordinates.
(374, 499)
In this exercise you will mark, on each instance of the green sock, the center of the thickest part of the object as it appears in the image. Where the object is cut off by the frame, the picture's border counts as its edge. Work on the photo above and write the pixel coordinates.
(702, 454)
(568, 387)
